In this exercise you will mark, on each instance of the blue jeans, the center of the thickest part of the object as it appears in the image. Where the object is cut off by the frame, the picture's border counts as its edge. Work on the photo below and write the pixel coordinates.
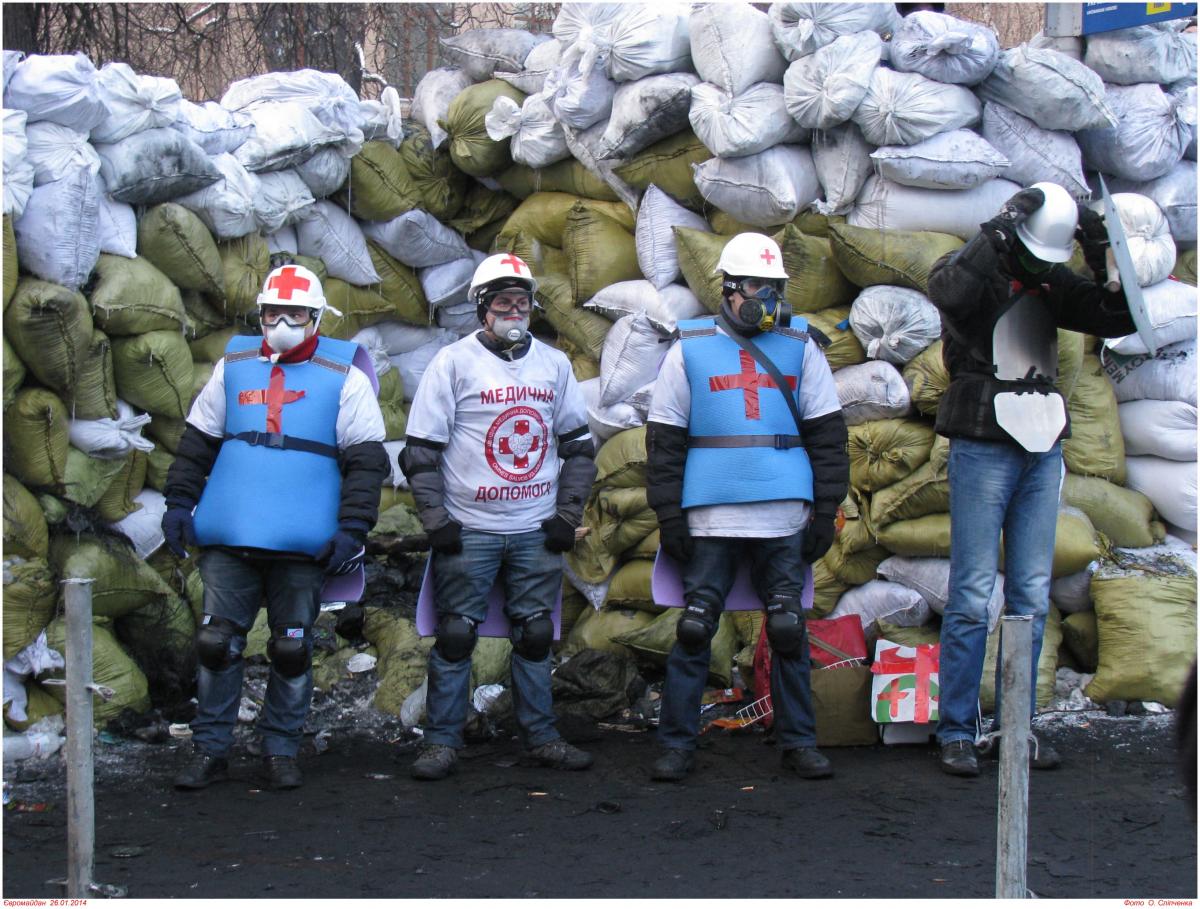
(777, 568)
(994, 486)
(531, 577)
(234, 588)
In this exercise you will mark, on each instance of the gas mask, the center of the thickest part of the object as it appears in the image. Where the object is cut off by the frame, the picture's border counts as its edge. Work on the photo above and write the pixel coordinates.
(511, 328)
(762, 303)
(282, 337)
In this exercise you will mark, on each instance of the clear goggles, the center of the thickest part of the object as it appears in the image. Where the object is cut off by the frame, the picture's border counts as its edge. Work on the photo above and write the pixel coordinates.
(295, 316)
(753, 287)
(506, 301)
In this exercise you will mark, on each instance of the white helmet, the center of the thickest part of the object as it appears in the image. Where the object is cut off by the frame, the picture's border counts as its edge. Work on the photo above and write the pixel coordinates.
(497, 268)
(752, 256)
(1049, 233)
(293, 285)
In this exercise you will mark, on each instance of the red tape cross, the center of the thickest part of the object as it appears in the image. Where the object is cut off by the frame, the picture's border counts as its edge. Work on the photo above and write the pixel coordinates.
(274, 396)
(749, 380)
(924, 664)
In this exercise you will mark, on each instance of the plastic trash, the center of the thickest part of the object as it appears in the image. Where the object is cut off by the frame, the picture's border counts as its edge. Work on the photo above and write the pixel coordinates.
(485, 696)
(361, 662)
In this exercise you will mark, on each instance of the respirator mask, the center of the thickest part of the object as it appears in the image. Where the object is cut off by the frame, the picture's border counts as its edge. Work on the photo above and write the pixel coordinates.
(762, 303)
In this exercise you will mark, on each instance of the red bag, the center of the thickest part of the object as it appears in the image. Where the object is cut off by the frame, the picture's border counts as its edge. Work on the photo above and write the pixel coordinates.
(830, 641)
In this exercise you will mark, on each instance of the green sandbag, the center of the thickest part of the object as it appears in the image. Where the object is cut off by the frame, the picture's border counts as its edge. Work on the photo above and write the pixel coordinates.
(855, 568)
(1081, 635)
(1070, 360)
(54, 508)
(816, 224)
(154, 372)
(645, 548)
(1184, 270)
(583, 366)
(543, 217)
(178, 244)
(652, 644)
(927, 379)
(160, 637)
(481, 206)
(841, 699)
(391, 402)
(668, 165)
(472, 150)
(1123, 515)
(1146, 623)
(14, 374)
(699, 252)
(403, 656)
(630, 588)
(585, 329)
(484, 239)
(10, 260)
(902, 258)
(441, 187)
(111, 667)
(158, 462)
(844, 348)
(245, 264)
(589, 559)
(1096, 447)
(912, 636)
(121, 581)
(203, 316)
(574, 605)
(195, 594)
(36, 438)
(400, 286)
(927, 537)
(50, 328)
(621, 460)
(856, 533)
(1047, 663)
(359, 308)
(131, 297)
(724, 223)
(747, 625)
(118, 499)
(827, 589)
(923, 492)
(381, 187)
(87, 478)
(96, 393)
(40, 703)
(30, 592)
(883, 452)
(627, 517)
(1075, 543)
(490, 662)
(211, 347)
(599, 630)
(566, 176)
(25, 531)
(166, 432)
(814, 280)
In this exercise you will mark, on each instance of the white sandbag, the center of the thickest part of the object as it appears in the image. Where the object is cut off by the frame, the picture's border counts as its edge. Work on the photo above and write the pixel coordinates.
(664, 308)
(383, 119)
(18, 172)
(482, 51)
(842, 159)
(58, 237)
(283, 199)
(227, 207)
(633, 352)
(801, 29)
(1149, 138)
(1145, 53)
(397, 338)
(412, 365)
(823, 89)
(537, 136)
(645, 111)
(765, 190)
(1035, 155)
(904, 108)
(55, 151)
(931, 579)
(10, 60)
(606, 422)
(1171, 307)
(117, 226)
(285, 134)
(396, 479)
(894, 323)
(216, 130)
(1175, 195)
(943, 48)
(958, 159)
(417, 239)
(1150, 243)
(1184, 94)
(459, 318)
(531, 78)
(447, 283)
(874, 390)
(628, 41)
(658, 215)
(143, 526)
(325, 172)
(432, 97)
(134, 102)
(155, 165)
(1072, 592)
(1068, 45)
(283, 240)
(1170, 375)
(1163, 429)
(1170, 485)
(745, 124)
(885, 205)
(732, 46)
(329, 234)
(1048, 87)
(111, 439)
(883, 600)
(580, 99)
(57, 87)
(327, 96)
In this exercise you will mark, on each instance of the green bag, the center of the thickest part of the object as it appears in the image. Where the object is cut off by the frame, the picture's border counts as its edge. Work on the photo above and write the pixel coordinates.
(391, 403)
(621, 460)
(96, 393)
(724, 223)
(844, 348)
(14, 374)
(10, 260)
(584, 328)
(668, 165)
(36, 438)
(400, 286)
(923, 492)
(590, 560)
(111, 667)
(630, 588)
(166, 432)
(911, 636)
(118, 499)
(841, 699)
(490, 662)
(154, 372)
(883, 452)
(471, 149)
(1184, 270)
(441, 187)
(158, 462)
(855, 568)
(481, 206)
(245, 264)
(543, 217)
(698, 253)
(178, 244)
(566, 176)
(403, 656)
(1047, 663)
(160, 637)
(599, 630)
(928, 536)
(381, 187)
(25, 531)
(131, 296)
(50, 328)
(1123, 515)
(1096, 447)
(121, 581)
(814, 280)
(211, 347)
(652, 643)
(30, 592)
(1070, 360)
(87, 478)
(1081, 635)
(898, 257)
(40, 703)
(927, 379)
(827, 589)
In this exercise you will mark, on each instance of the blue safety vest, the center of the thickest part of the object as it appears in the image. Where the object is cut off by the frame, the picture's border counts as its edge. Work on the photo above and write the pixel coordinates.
(277, 486)
(743, 443)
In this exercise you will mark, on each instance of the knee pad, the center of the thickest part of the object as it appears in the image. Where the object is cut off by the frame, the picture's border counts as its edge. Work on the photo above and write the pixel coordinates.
(214, 642)
(456, 636)
(785, 625)
(532, 637)
(696, 627)
(288, 650)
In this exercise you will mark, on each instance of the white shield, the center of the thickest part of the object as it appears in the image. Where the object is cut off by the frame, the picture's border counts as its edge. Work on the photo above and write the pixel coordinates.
(1033, 419)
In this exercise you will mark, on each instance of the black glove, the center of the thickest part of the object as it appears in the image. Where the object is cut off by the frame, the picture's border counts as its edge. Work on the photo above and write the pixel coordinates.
(447, 539)
(1001, 230)
(560, 535)
(1093, 237)
(819, 536)
(343, 553)
(179, 528)
(676, 539)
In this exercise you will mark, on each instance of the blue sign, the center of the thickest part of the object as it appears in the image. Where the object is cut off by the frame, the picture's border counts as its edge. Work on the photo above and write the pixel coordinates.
(1106, 17)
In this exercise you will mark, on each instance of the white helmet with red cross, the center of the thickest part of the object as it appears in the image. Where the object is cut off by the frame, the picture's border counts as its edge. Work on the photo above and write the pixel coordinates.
(751, 256)
(502, 270)
(293, 285)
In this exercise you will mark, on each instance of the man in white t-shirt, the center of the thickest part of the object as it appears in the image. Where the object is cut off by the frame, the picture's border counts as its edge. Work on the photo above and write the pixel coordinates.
(736, 474)
(500, 461)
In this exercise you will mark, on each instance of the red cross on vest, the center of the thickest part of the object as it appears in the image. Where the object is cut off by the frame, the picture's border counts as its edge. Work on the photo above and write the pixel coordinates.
(516, 263)
(893, 695)
(749, 380)
(520, 444)
(274, 396)
(286, 281)
(767, 256)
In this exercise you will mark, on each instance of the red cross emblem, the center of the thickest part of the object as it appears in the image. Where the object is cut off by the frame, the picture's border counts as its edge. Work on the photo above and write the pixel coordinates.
(520, 434)
(516, 263)
(893, 696)
(286, 281)
(274, 396)
(749, 380)
(767, 256)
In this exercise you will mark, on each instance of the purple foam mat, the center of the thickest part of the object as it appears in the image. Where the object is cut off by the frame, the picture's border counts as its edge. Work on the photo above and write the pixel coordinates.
(496, 625)
(666, 586)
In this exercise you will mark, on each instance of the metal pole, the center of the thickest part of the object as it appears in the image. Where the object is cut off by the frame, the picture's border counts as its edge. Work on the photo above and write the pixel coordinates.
(1012, 814)
(81, 808)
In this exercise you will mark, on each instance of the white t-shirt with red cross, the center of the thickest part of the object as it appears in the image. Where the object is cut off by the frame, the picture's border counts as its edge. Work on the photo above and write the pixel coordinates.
(500, 421)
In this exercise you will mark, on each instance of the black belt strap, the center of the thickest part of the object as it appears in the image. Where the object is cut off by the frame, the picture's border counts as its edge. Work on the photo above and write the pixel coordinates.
(783, 442)
(287, 443)
(772, 370)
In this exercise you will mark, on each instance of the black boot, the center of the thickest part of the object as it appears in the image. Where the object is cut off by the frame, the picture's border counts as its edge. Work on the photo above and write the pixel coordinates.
(958, 758)
(201, 770)
(673, 765)
(282, 772)
(807, 763)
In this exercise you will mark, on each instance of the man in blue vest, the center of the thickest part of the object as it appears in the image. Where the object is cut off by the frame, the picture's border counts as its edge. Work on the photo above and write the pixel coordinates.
(277, 478)
(735, 474)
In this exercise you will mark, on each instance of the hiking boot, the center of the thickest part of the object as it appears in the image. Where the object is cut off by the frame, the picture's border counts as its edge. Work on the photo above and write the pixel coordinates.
(1042, 755)
(202, 770)
(561, 755)
(282, 772)
(673, 765)
(807, 763)
(958, 758)
(434, 762)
